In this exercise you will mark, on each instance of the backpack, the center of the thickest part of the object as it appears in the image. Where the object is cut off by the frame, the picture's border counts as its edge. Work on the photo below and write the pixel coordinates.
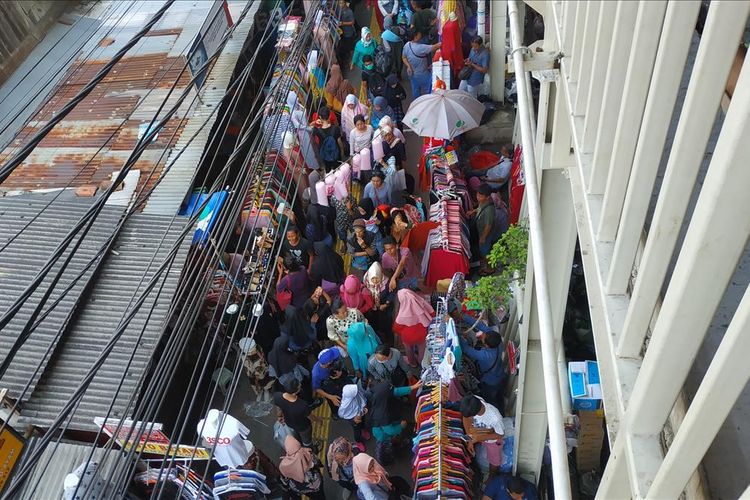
(329, 150)
(382, 60)
(377, 84)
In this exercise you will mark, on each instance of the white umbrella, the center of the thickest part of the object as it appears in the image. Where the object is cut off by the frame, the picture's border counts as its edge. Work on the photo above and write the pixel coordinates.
(444, 114)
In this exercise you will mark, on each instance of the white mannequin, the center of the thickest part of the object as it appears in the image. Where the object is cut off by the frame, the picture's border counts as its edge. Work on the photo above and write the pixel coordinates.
(227, 436)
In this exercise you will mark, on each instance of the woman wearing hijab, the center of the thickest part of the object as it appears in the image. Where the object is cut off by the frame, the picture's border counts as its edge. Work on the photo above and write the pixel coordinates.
(365, 47)
(371, 478)
(316, 76)
(300, 471)
(361, 246)
(385, 415)
(380, 108)
(352, 107)
(392, 148)
(298, 329)
(355, 295)
(283, 362)
(337, 88)
(395, 95)
(327, 270)
(354, 408)
(340, 456)
(366, 208)
(413, 317)
(381, 314)
(361, 345)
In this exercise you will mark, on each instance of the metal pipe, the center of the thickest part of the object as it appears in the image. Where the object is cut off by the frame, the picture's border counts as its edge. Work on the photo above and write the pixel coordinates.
(553, 399)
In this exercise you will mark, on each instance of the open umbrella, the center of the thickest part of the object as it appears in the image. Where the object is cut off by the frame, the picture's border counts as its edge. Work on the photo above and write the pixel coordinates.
(444, 114)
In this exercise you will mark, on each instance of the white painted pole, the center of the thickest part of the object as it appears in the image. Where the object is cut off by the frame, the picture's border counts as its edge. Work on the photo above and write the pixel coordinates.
(558, 447)
(721, 386)
(481, 13)
(674, 46)
(640, 67)
(586, 58)
(614, 84)
(713, 244)
(724, 26)
(496, 42)
(598, 75)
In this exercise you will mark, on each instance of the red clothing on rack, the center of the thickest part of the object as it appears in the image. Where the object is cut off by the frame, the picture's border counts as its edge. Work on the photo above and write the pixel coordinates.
(410, 334)
(416, 238)
(444, 264)
(451, 47)
(517, 186)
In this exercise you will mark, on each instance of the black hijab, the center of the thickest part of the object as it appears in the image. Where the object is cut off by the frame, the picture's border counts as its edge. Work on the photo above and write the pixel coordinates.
(382, 404)
(328, 265)
(368, 206)
(297, 325)
(281, 358)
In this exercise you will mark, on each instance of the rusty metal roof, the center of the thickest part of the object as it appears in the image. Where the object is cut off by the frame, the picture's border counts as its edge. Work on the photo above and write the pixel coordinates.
(108, 118)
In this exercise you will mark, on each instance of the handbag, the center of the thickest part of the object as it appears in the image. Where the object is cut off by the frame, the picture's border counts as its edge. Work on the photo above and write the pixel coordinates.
(284, 298)
(465, 72)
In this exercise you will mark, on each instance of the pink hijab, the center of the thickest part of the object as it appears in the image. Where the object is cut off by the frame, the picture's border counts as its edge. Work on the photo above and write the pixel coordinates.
(347, 114)
(297, 460)
(413, 309)
(356, 295)
(362, 474)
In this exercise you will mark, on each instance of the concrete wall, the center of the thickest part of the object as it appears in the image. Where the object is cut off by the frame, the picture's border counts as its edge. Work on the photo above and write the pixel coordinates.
(22, 26)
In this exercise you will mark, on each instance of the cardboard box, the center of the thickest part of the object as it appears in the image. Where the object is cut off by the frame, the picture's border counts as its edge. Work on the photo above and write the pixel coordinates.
(591, 436)
(585, 389)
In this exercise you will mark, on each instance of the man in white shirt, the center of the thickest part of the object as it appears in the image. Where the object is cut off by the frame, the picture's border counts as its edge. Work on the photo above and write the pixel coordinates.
(484, 425)
(497, 175)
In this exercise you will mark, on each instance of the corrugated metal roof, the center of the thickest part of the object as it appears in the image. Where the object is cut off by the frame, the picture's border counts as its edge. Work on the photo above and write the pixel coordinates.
(123, 96)
(20, 262)
(118, 279)
(47, 478)
(170, 193)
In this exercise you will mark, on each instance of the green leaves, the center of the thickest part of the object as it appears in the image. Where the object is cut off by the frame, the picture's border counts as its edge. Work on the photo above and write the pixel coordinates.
(509, 254)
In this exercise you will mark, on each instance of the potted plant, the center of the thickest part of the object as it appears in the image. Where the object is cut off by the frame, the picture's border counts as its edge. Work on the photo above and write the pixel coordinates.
(508, 255)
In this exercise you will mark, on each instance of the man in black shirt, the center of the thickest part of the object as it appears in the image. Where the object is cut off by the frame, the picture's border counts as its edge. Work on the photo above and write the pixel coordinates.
(298, 248)
(296, 411)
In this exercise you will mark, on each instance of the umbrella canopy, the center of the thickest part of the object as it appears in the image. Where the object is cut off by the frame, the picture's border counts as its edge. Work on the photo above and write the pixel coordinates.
(444, 114)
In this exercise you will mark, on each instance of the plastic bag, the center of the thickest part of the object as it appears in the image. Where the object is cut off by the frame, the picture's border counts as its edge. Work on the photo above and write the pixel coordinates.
(280, 432)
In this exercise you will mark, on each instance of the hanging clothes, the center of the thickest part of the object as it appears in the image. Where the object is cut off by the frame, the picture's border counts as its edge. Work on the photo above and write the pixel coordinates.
(227, 436)
(451, 48)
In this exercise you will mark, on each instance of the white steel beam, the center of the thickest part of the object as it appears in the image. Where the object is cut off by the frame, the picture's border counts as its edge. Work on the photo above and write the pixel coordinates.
(587, 55)
(568, 26)
(598, 75)
(575, 51)
(709, 408)
(640, 66)
(558, 445)
(497, 52)
(614, 83)
(717, 235)
(662, 95)
(724, 27)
